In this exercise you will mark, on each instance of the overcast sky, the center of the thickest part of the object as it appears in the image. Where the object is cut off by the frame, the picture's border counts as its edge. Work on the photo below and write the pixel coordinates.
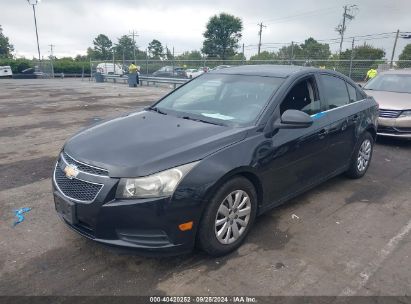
(71, 25)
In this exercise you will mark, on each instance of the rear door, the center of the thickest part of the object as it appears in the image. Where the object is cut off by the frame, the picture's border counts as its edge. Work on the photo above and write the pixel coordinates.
(344, 118)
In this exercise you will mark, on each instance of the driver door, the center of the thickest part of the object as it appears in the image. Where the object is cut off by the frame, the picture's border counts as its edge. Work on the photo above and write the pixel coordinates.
(297, 159)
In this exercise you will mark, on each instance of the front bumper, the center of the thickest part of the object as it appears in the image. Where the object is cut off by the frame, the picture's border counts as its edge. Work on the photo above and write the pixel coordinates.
(87, 204)
(395, 127)
(147, 226)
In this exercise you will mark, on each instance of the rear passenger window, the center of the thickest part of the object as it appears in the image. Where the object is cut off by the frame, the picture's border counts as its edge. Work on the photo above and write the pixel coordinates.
(352, 92)
(355, 95)
(335, 91)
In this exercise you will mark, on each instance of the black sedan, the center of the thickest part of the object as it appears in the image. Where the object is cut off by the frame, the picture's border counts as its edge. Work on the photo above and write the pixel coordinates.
(198, 166)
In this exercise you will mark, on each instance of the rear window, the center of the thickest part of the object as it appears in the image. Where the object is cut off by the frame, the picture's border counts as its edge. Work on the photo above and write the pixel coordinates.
(335, 91)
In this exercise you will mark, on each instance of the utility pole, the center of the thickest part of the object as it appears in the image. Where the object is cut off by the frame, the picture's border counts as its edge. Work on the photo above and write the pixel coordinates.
(173, 60)
(51, 59)
(292, 52)
(348, 15)
(261, 25)
(33, 3)
(242, 61)
(352, 56)
(393, 49)
(147, 63)
(114, 64)
(134, 34)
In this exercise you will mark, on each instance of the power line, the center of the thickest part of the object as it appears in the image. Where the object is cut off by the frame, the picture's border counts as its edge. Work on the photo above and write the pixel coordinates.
(279, 20)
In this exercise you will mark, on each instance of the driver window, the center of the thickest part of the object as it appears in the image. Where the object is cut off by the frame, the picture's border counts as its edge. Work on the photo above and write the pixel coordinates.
(303, 97)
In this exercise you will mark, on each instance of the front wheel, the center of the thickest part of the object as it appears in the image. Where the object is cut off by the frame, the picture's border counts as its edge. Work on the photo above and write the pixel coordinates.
(361, 157)
(228, 217)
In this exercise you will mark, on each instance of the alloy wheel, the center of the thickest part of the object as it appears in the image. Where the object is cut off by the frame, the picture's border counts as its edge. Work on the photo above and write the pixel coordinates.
(364, 155)
(233, 217)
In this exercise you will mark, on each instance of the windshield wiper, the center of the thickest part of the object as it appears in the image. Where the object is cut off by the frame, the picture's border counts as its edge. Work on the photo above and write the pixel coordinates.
(155, 109)
(202, 120)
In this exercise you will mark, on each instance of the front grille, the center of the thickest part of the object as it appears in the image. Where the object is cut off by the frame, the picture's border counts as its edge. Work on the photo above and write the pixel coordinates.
(84, 167)
(382, 129)
(74, 188)
(389, 113)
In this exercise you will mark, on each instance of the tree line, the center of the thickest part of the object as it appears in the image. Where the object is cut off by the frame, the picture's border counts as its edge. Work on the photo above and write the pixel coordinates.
(221, 42)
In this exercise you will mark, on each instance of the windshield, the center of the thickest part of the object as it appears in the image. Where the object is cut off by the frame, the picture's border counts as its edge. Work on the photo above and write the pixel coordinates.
(228, 99)
(391, 83)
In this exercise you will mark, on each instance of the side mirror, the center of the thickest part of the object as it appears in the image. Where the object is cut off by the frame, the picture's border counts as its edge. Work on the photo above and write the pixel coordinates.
(294, 119)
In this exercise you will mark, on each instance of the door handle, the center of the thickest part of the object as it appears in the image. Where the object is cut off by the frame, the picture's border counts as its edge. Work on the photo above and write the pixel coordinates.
(355, 117)
(323, 133)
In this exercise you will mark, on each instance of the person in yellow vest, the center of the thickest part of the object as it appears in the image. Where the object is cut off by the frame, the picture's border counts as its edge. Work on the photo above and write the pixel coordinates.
(133, 75)
(371, 74)
(132, 68)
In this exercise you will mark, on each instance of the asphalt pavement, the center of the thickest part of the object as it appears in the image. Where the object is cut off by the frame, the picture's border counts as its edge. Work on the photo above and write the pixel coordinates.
(345, 237)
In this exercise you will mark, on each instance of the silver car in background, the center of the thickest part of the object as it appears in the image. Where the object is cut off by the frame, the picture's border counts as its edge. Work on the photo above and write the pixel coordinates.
(392, 91)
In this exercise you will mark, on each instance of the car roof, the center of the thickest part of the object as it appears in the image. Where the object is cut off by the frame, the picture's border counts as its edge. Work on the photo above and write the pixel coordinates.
(268, 70)
(402, 71)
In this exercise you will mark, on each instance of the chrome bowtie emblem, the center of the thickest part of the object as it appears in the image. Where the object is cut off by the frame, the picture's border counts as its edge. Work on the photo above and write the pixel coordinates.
(71, 171)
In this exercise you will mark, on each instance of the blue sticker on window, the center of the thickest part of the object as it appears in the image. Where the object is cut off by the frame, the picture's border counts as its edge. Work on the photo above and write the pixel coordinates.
(318, 115)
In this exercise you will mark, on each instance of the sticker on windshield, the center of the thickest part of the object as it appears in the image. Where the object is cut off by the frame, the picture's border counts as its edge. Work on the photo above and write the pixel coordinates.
(217, 116)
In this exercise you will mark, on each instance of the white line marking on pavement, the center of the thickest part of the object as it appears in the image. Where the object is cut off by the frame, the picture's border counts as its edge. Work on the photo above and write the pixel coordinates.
(358, 283)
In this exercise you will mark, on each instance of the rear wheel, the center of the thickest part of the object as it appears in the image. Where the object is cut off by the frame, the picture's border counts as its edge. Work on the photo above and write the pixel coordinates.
(362, 156)
(228, 218)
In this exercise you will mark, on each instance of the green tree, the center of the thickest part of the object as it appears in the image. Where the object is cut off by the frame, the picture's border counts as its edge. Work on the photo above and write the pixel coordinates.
(168, 55)
(365, 57)
(264, 55)
(5, 47)
(102, 47)
(222, 35)
(405, 55)
(125, 45)
(364, 52)
(311, 49)
(290, 52)
(238, 56)
(80, 58)
(155, 48)
(192, 55)
(17, 65)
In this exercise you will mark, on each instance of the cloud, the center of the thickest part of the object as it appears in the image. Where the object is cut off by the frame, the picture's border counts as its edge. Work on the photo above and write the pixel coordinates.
(72, 25)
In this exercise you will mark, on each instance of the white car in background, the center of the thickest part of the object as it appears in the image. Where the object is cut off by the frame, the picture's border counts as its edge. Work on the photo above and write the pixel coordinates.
(5, 71)
(110, 69)
(192, 73)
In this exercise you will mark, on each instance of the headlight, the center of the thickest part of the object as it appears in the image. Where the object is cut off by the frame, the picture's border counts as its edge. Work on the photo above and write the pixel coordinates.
(159, 184)
(405, 113)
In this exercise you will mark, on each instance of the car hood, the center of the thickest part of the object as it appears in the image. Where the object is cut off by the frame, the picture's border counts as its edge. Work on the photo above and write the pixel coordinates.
(391, 100)
(147, 142)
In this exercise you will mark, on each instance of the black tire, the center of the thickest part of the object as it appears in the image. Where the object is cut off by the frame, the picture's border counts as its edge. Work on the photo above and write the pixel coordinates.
(206, 237)
(354, 172)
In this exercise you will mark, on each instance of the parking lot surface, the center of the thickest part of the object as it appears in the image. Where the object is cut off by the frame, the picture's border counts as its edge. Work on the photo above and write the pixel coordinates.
(344, 237)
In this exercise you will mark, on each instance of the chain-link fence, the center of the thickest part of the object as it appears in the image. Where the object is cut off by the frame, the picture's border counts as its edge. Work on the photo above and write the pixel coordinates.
(356, 69)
